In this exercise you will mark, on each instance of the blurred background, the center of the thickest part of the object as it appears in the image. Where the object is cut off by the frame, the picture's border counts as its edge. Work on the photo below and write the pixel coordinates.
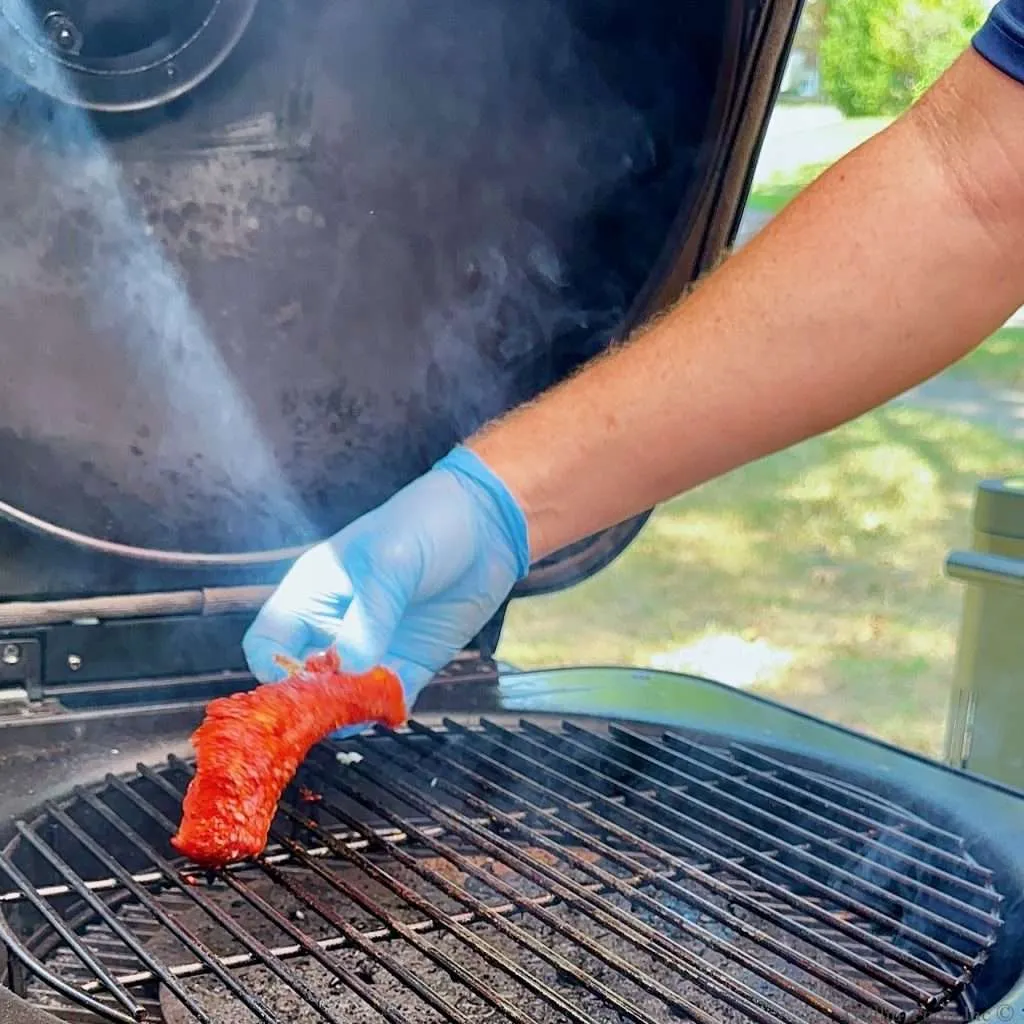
(815, 577)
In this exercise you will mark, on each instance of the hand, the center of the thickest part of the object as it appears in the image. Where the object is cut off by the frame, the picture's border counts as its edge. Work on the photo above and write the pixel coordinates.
(405, 586)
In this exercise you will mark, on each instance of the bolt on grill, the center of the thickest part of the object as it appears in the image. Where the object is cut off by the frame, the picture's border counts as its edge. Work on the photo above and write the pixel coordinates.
(533, 873)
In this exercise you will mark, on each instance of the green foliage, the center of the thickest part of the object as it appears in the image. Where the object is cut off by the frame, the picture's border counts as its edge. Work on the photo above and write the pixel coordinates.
(878, 56)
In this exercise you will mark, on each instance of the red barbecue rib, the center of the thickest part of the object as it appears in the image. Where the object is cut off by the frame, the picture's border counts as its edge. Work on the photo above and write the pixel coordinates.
(250, 745)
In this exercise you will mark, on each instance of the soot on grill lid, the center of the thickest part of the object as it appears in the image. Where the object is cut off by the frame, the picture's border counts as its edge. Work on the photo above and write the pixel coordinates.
(527, 873)
(247, 300)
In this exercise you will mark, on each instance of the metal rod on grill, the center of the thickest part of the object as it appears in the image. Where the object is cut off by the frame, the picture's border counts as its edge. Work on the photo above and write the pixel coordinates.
(459, 893)
(502, 924)
(178, 931)
(696, 970)
(252, 1002)
(56, 922)
(502, 739)
(759, 783)
(813, 782)
(410, 896)
(103, 912)
(614, 753)
(716, 885)
(669, 886)
(351, 934)
(721, 818)
(18, 957)
(157, 879)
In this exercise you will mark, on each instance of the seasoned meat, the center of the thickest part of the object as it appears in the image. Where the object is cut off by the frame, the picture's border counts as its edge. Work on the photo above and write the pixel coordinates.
(250, 745)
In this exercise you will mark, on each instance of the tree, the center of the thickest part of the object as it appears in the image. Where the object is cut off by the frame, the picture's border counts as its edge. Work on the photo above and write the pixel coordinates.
(878, 56)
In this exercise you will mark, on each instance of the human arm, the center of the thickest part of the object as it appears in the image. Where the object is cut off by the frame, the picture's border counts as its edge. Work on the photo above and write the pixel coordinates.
(891, 266)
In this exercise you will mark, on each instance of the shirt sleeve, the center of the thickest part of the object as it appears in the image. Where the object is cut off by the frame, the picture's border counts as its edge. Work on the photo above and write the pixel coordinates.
(1001, 39)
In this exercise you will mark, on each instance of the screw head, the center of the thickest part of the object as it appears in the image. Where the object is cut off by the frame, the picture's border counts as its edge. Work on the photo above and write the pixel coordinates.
(62, 32)
(11, 654)
(74, 662)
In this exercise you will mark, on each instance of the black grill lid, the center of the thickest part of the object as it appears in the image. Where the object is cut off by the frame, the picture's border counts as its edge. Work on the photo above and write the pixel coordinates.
(273, 262)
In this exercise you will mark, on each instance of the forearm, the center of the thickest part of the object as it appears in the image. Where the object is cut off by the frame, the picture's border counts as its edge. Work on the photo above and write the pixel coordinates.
(897, 262)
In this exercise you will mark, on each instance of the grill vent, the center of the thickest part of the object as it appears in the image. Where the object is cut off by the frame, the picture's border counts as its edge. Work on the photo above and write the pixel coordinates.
(534, 872)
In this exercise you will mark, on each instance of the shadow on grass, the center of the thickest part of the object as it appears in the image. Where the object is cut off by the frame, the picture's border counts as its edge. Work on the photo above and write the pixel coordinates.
(815, 576)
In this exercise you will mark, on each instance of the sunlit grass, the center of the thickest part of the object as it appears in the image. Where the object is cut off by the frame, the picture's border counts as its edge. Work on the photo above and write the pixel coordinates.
(826, 560)
(778, 190)
(999, 361)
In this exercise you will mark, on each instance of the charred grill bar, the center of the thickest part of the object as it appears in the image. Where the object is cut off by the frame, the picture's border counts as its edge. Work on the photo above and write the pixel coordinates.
(530, 870)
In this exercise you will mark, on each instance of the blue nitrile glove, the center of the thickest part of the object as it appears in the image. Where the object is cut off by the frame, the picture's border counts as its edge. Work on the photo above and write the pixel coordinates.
(407, 585)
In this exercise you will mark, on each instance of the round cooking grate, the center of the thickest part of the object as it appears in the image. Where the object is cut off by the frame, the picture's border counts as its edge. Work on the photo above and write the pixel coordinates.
(532, 874)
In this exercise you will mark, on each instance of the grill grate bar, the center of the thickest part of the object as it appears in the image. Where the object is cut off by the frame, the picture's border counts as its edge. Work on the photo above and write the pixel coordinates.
(444, 920)
(524, 938)
(942, 841)
(137, 890)
(730, 892)
(641, 780)
(109, 919)
(250, 1001)
(769, 776)
(290, 952)
(21, 965)
(56, 922)
(725, 917)
(272, 915)
(308, 945)
(698, 971)
(521, 872)
(351, 934)
(157, 880)
(631, 741)
(507, 741)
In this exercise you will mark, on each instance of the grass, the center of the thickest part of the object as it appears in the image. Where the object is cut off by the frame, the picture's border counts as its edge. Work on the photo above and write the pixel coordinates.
(776, 191)
(999, 361)
(814, 576)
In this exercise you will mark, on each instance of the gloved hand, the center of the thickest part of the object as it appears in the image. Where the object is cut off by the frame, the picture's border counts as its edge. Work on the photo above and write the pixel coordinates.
(405, 586)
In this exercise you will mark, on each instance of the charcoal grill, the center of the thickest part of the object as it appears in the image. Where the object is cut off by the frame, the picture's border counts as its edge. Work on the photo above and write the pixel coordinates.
(242, 307)
(526, 866)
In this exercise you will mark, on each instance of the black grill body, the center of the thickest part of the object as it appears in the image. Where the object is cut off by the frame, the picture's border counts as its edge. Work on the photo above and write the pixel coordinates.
(534, 849)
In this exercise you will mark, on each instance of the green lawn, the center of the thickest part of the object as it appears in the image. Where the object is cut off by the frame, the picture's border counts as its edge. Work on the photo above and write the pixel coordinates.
(819, 571)
(999, 361)
(773, 193)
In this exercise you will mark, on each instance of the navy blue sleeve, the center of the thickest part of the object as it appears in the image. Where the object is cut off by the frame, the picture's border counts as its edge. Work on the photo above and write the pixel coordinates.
(1001, 39)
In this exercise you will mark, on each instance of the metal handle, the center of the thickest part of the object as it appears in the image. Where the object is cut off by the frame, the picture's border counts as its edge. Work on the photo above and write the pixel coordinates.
(974, 567)
(210, 601)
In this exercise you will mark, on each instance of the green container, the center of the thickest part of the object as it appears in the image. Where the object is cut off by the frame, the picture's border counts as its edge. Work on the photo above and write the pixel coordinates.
(985, 730)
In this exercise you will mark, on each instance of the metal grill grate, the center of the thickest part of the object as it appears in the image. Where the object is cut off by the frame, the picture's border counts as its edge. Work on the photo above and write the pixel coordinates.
(531, 873)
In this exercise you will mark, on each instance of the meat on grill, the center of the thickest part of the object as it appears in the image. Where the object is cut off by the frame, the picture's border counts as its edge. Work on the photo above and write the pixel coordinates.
(250, 745)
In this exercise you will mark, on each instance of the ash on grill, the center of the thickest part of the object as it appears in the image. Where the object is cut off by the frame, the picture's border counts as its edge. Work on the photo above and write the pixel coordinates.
(526, 874)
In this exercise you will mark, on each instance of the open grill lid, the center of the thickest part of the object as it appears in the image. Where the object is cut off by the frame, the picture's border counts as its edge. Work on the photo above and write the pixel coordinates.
(263, 263)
